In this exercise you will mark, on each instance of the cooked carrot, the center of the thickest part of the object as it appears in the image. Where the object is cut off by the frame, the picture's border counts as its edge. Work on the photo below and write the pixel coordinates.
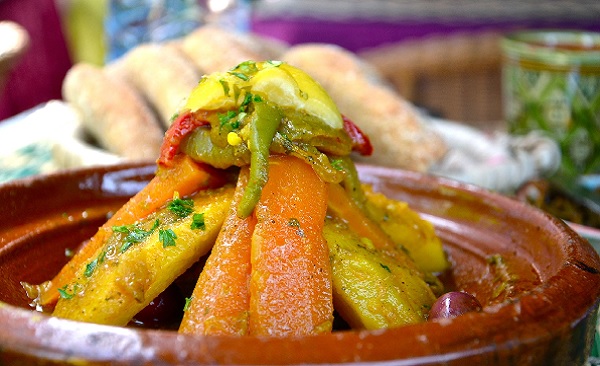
(290, 287)
(184, 176)
(343, 207)
(220, 301)
(361, 225)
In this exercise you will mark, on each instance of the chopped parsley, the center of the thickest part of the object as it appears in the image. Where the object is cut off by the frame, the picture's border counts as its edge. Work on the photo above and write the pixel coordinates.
(225, 86)
(229, 118)
(244, 70)
(246, 101)
(385, 267)
(240, 75)
(198, 222)
(234, 118)
(188, 302)
(337, 164)
(167, 237)
(181, 208)
(134, 234)
(65, 293)
(90, 267)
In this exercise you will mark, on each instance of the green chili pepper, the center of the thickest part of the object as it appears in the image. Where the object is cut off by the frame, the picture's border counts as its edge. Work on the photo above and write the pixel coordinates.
(263, 124)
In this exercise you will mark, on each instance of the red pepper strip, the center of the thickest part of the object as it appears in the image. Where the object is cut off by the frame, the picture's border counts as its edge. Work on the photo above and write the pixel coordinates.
(180, 128)
(360, 141)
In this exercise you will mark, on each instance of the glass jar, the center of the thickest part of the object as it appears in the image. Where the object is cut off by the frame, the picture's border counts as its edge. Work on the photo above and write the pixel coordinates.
(551, 83)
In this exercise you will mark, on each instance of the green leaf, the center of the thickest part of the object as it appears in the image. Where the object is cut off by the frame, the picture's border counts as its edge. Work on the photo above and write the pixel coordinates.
(198, 222)
(167, 237)
(240, 75)
(181, 208)
(90, 268)
(188, 302)
(225, 86)
(134, 234)
(67, 293)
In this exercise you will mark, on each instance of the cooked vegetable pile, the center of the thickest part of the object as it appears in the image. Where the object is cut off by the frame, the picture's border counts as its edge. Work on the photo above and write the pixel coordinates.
(255, 186)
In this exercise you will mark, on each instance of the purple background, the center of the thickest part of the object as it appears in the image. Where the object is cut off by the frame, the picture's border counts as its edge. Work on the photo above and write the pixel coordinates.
(357, 35)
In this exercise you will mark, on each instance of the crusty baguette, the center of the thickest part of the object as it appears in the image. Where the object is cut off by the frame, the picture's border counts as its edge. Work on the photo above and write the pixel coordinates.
(113, 112)
(269, 48)
(397, 133)
(215, 49)
(161, 73)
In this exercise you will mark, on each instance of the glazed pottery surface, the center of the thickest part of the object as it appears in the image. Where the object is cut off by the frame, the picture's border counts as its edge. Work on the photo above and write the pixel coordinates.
(539, 283)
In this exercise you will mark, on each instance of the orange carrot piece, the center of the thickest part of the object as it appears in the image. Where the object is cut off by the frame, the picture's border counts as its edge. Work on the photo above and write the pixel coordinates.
(290, 287)
(184, 176)
(343, 207)
(221, 297)
(359, 223)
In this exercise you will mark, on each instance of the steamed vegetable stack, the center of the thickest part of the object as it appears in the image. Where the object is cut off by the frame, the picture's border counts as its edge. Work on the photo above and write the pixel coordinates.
(295, 238)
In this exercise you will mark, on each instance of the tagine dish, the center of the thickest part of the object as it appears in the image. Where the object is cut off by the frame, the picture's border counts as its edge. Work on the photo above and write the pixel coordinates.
(255, 238)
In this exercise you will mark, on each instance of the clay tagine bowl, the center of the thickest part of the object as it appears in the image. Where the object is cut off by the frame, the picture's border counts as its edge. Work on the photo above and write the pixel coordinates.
(539, 301)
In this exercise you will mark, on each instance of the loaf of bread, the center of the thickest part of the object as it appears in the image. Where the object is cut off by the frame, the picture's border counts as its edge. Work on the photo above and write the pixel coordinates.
(161, 73)
(118, 102)
(399, 137)
(215, 49)
(113, 112)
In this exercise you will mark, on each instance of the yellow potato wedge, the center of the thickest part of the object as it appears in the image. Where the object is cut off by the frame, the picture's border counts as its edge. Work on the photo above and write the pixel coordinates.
(370, 289)
(141, 260)
(407, 230)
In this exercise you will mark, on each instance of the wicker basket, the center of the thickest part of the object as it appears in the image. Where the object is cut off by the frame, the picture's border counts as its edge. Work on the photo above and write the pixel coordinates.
(455, 77)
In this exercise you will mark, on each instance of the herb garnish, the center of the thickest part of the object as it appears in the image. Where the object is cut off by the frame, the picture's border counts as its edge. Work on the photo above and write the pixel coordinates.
(337, 164)
(229, 118)
(234, 118)
(90, 268)
(245, 70)
(65, 293)
(167, 237)
(385, 267)
(198, 222)
(246, 101)
(134, 234)
(181, 208)
(188, 302)
(225, 86)
(240, 75)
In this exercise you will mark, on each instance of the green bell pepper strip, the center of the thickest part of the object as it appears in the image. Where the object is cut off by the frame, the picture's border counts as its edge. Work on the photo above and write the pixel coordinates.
(263, 124)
